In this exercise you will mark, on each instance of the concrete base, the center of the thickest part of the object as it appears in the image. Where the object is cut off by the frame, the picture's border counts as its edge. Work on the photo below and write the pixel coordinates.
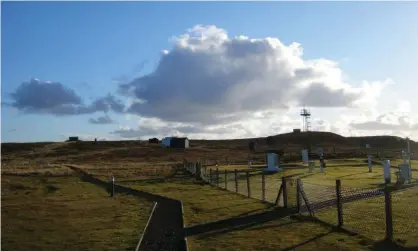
(273, 170)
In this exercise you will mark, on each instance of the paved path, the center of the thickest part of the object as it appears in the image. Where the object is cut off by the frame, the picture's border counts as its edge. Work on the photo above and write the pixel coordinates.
(165, 230)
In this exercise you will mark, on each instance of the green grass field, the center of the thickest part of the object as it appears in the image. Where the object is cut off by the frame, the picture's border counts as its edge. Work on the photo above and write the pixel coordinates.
(367, 217)
(205, 205)
(63, 213)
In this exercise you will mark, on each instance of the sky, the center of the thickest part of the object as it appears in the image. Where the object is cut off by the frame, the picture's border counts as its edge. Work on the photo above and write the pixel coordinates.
(206, 70)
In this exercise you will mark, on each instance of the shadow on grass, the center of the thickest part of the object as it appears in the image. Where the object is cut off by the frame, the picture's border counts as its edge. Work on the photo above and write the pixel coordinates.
(390, 246)
(351, 175)
(307, 241)
(238, 222)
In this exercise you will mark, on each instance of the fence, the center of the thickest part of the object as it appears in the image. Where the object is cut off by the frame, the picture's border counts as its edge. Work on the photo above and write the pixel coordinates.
(377, 214)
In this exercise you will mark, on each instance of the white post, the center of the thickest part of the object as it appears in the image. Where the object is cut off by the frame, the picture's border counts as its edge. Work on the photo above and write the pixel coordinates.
(305, 157)
(369, 162)
(386, 171)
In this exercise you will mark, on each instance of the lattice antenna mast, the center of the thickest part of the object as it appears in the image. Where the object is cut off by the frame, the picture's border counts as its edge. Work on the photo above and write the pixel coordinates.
(306, 117)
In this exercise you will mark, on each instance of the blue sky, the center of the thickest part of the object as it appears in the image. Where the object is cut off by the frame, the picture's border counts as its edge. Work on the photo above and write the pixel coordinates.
(86, 45)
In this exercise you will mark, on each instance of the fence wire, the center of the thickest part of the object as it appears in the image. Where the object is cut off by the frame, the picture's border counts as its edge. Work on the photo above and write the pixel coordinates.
(405, 216)
(291, 191)
(364, 212)
(322, 200)
(273, 184)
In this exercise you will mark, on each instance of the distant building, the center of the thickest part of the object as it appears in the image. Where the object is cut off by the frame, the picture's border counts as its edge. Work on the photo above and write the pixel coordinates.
(174, 142)
(153, 141)
(166, 141)
(179, 143)
(296, 130)
(73, 139)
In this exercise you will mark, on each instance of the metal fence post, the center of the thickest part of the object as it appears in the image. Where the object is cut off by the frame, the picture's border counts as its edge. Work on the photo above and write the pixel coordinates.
(248, 185)
(217, 176)
(284, 192)
(236, 180)
(339, 203)
(263, 187)
(298, 197)
(226, 180)
(388, 213)
(210, 175)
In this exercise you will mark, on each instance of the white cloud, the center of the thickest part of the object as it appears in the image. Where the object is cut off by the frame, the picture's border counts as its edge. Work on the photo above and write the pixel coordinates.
(209, 85)
(207, 74)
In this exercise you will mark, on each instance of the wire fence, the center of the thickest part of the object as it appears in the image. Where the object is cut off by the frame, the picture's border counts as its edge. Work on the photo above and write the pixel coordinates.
(376, 213)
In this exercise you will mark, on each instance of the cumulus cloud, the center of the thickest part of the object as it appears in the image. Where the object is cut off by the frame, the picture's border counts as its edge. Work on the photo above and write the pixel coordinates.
(45, 97)
(207, 75)
(103, 120)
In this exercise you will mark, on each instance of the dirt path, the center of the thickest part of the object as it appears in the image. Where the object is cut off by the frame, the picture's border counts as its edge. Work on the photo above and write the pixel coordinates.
(165, 230)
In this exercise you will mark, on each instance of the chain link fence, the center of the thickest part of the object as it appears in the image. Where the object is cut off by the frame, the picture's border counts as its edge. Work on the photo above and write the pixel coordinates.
(405, 216)
(376, 213)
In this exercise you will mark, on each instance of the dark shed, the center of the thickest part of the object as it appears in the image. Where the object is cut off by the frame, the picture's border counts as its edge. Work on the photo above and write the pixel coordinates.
(179, 143)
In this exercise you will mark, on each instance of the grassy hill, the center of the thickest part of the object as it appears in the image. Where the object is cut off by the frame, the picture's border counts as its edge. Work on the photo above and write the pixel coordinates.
(233, 149)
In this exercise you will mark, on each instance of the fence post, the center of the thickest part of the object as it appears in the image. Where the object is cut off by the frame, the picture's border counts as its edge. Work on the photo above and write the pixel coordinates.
(284, 192)
(339, 203)
(248, 185)
(298, 192)
(263, 187)
(226, 180)
(210, 175)
(236, 180)
(388, 213)
(113, 187)
(217, 176)
(198, 172)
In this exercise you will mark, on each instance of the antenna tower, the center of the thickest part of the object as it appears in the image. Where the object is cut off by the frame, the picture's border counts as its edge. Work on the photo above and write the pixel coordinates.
(306, 116)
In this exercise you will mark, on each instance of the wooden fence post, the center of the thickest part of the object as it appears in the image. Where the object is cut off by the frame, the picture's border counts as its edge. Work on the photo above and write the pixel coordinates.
(263, 187)
(284, 192)
(226, 180)
(339, 203)
(236, 180)
(388, 215)
(248, 185)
